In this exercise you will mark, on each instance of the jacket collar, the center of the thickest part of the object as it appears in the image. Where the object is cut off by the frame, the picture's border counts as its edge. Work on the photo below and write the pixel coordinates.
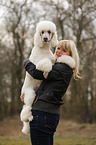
(67, 60)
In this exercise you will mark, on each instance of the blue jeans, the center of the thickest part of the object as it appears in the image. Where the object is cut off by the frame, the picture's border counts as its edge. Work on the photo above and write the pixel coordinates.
(42, 128)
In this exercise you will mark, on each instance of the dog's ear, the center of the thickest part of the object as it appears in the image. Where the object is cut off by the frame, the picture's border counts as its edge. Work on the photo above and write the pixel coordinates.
(54, 40)
(37, 40)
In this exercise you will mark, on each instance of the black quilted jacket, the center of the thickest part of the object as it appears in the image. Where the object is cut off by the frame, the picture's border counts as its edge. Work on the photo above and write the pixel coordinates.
(54, 87)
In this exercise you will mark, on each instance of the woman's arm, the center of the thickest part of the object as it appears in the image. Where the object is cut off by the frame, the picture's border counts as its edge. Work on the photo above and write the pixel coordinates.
(36, 74)
(31, 69)
(59, 71)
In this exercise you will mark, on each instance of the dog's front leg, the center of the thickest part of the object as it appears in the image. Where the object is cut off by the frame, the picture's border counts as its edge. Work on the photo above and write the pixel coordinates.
(44, 65)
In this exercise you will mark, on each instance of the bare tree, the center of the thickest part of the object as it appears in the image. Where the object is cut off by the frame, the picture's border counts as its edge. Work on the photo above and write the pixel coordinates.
(4, 83)
(77, 22)
(18, 24)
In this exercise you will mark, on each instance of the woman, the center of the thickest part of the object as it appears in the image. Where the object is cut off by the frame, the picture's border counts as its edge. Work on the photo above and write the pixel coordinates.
(46, 107)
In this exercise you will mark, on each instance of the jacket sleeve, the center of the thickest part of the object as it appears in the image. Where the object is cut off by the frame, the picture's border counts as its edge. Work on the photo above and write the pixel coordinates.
(31, 69)
(60, 71)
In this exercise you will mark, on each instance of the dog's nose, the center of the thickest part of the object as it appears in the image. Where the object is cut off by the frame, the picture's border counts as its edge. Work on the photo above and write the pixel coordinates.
(45, 39)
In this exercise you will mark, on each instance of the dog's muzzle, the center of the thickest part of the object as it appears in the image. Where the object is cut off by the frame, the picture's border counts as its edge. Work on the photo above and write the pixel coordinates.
(45, 40)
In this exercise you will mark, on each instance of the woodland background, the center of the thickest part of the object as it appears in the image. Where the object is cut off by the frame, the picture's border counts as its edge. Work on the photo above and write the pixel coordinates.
(75, 20)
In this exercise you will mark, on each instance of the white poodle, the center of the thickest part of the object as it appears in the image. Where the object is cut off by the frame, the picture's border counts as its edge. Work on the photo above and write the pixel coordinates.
(43, 58)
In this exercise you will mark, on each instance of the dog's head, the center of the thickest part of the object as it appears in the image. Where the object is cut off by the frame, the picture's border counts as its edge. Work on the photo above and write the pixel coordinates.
(46, 36)
(45, 33)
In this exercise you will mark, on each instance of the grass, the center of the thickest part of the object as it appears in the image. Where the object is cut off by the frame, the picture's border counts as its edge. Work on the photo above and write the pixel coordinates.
(14, 141)
(68, 133)
(59, 140)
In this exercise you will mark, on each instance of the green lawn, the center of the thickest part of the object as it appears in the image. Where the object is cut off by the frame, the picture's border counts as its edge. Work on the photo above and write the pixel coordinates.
(68, 133)
(14, 141)
(59, 140)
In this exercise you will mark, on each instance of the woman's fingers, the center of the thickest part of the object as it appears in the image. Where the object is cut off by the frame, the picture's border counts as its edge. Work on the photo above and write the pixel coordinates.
(22, 97)
(45, 74)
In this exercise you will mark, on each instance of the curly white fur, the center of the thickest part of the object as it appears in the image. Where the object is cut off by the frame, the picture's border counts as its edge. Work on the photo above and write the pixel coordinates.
(67, 60)
(43, 58)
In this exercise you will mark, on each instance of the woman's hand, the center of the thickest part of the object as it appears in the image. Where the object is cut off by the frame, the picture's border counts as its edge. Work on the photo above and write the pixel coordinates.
(45, 74)
(22, 97)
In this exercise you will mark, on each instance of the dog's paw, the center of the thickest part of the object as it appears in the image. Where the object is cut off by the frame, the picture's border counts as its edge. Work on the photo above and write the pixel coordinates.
(44, 65)
(30, 118)
(26, 128)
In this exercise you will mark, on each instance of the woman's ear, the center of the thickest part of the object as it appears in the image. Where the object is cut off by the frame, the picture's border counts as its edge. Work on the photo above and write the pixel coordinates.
(54, 40)
(37, 40)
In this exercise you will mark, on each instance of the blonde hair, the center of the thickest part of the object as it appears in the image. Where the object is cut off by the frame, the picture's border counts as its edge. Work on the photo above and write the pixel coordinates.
(71, 47)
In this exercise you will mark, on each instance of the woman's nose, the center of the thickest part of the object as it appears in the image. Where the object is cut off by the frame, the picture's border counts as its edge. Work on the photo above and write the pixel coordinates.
(58, 50)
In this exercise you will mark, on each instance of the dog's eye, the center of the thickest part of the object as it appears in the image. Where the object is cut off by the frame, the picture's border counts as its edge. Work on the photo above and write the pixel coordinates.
(42, 32)
(49, 31)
